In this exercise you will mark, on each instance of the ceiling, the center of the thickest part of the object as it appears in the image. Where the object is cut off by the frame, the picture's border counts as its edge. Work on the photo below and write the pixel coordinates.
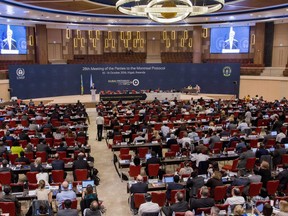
(101, 14)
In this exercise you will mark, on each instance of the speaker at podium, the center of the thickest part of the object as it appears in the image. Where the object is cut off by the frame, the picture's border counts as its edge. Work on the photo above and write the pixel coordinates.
(93, 93)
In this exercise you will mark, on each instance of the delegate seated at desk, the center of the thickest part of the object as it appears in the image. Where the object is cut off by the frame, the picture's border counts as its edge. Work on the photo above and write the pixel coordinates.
(139, 139)
(65, 194)
(152, 160)
(138, 187)
(8, 197)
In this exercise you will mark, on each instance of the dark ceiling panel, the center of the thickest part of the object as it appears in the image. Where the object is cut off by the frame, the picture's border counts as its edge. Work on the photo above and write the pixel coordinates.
(93, 7)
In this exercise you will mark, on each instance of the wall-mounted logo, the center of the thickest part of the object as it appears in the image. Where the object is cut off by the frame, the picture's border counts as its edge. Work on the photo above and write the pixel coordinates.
(227, 71)
(135, 82)
(20, 72)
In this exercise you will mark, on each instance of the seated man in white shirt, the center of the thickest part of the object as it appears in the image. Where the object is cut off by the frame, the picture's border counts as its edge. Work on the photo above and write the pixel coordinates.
(243, 125)
(139, 139)
(165, 130)
(199, 157)
(236, 199)
(184, 140)
(148, 206)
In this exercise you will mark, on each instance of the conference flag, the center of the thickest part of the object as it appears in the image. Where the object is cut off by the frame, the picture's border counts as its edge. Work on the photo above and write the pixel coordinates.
(91, 81)
(82, 87)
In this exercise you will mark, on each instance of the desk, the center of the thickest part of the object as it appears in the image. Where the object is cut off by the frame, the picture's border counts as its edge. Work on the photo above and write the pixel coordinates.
(158, 185)
(47, 168)
(177, 160)
(215, 157)
(135, 146)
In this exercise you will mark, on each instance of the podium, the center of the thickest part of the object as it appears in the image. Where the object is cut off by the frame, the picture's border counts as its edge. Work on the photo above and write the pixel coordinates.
(93, 95)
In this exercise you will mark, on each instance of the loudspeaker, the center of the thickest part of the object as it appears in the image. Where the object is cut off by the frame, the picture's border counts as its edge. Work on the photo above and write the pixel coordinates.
(268, 45)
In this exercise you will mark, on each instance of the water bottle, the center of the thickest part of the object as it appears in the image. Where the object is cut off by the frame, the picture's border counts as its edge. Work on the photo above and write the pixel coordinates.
(244, 206)
(276, 204)
(79, 189)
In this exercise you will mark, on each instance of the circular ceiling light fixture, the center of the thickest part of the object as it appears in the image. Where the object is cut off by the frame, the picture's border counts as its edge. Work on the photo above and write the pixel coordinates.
(168, 11)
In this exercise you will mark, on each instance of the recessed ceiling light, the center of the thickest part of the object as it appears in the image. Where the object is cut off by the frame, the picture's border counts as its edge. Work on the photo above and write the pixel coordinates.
(57, 15)
(26, 11)
(88, 18)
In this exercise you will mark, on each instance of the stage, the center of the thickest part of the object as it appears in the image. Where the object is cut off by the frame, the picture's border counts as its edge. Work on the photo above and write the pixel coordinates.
(87, 98)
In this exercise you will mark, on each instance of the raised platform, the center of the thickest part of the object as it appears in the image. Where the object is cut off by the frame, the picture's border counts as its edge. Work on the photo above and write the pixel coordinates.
(87, 99)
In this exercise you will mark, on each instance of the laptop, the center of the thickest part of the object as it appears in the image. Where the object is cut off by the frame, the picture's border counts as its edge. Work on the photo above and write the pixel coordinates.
(147, 156)
(196, 138)
(17, 190)
(273, 133)
(286, 145)
(140, 141)
(85, 183)
(260, 207)
(168, 179)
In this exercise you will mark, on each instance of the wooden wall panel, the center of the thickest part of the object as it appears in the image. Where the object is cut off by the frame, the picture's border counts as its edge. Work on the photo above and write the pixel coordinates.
(259, 43)
(280, 45)
(41, 44)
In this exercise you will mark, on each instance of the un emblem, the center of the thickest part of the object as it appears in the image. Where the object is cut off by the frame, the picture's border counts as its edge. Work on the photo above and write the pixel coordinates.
(227, 71)
(20, 72)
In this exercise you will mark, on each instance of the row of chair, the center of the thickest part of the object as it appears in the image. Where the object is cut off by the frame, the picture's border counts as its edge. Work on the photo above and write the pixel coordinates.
(57, 176)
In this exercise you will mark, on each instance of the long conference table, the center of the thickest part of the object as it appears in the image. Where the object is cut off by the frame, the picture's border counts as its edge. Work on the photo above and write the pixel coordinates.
(22, 169)
(177, 160)
(134, 146)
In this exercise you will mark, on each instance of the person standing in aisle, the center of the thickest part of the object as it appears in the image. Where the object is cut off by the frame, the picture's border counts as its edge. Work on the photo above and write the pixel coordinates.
(100, 124)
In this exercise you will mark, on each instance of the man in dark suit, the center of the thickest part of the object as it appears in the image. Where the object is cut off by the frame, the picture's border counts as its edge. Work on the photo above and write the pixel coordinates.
(152, 160)
(43, 147)
(173, 186)
(180, 206)
(138, 187)
(4, 168)
(24, 136)
(62, 148)
(283, 178)
(67, 210)
(203, 202)
(58, 164)
(80, 163)
(194, 183)
(171, 141)
(244, 156)
(7, 197)
(22, 158)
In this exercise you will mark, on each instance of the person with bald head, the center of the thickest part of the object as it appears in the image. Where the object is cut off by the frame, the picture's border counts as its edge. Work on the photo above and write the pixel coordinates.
(189, 213)
(58, 164)
(65, 194)
(181, 205)
(94, 210)
(80, 163)
(138, 187)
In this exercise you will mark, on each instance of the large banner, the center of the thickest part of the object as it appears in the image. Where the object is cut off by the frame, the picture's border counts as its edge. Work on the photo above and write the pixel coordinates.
(36, 81)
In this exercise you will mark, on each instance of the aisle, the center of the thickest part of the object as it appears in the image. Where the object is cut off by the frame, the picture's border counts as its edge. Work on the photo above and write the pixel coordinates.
(111, 190)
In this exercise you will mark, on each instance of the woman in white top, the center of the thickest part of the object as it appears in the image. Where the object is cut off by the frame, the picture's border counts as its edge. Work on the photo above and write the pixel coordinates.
(42, 193)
